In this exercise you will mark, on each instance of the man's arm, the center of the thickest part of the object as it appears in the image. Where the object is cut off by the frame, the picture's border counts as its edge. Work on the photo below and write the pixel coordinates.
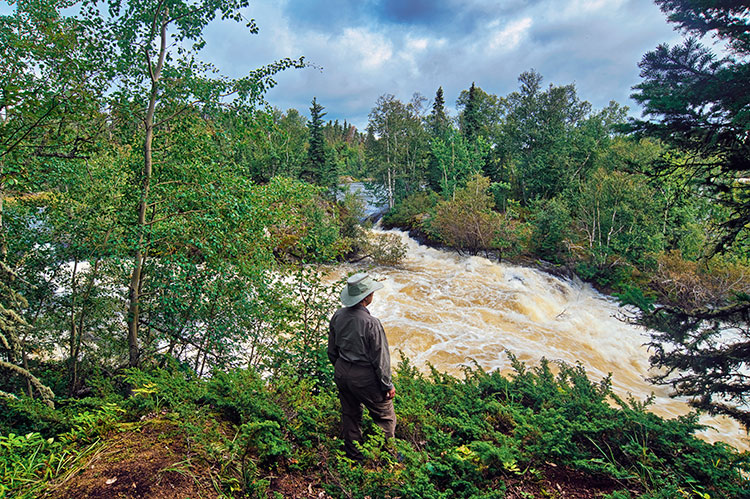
(333, 351)
(381, 356)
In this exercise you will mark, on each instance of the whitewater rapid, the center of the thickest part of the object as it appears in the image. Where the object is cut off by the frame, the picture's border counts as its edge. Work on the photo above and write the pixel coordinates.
(451, 311)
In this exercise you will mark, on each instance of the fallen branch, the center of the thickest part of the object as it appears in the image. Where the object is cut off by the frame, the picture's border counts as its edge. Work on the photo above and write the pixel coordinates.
(46, 393)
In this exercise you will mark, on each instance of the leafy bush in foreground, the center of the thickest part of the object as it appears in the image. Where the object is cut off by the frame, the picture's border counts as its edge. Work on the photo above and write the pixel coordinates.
(479, 436)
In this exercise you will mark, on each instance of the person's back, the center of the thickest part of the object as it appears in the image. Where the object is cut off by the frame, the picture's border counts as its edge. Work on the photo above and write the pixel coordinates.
(358, 348)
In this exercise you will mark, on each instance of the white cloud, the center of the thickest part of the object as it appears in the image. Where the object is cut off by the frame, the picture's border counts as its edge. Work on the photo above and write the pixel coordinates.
(372, 50)
(410, 53)
(584, 6)
(416, 44)
(594, 43)
(509, 37)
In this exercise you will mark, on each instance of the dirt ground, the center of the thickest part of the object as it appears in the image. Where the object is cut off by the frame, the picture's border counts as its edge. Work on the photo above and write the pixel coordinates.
(152, 461)
(146, 462)
(563, 483)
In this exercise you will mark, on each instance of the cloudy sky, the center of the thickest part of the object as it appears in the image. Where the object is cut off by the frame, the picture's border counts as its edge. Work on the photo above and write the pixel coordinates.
(362, 49)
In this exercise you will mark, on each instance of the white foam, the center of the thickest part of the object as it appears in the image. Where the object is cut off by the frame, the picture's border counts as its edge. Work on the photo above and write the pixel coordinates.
(451, 310)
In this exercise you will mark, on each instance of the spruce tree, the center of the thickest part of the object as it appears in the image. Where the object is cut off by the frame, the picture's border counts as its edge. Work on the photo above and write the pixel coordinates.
(698, 105)
(438, 121)
(439, 127)
(470, 116)
(317, 168)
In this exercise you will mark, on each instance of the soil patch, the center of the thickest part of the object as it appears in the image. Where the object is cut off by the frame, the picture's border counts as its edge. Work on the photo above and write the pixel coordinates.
(561, 482)
(148, 461)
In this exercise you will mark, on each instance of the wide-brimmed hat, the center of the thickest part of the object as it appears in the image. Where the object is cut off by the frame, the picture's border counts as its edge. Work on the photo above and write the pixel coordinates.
(357, 288)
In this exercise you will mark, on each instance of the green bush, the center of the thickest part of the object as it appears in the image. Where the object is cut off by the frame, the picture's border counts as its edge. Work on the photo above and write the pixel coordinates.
(311, 415)
(160, 389)
(410, 212)
(25, 415)
(241, 396)
(550, 229)
(463, 436)
(487, 426)
(608, 276)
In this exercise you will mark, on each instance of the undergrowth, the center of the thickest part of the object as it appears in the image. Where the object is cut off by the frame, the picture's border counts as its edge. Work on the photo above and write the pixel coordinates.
(468, 437)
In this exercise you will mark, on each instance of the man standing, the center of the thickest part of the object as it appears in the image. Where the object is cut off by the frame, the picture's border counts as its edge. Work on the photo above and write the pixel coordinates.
(358, 349)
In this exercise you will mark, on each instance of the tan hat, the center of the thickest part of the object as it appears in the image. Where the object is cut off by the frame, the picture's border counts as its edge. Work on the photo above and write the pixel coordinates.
(357, 288)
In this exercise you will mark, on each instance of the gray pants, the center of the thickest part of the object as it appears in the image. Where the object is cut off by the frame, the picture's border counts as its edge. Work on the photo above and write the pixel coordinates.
(358, 385)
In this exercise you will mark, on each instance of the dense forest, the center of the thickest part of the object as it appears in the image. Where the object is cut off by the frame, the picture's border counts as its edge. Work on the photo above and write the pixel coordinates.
(162, 229)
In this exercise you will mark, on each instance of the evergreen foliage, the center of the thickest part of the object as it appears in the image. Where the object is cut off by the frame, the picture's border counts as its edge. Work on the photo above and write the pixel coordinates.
(482, 110)
(470, 116)
(700, 358)
(480, 436)
(318, 168)
(698, 104)
(438, 122)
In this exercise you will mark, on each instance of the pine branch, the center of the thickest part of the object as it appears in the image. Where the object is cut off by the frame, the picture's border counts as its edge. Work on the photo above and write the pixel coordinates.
(721, 313)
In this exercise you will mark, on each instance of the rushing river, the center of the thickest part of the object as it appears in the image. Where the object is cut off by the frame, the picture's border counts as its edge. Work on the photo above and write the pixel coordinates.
(452, 310)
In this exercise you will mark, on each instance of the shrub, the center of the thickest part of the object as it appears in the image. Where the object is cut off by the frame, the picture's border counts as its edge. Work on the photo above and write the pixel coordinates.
(411, 211)
(241, 396)
(25, 415)
(467, 222)
(614, 276)
(691, 284)
(456, 437)
(159, 389)
(385, 248)
(550, 233)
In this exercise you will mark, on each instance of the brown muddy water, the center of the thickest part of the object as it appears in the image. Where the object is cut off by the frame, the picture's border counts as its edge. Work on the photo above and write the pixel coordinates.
(451, 311)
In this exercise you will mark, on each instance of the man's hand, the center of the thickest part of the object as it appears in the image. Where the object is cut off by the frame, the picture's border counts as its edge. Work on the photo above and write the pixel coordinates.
(390, 394)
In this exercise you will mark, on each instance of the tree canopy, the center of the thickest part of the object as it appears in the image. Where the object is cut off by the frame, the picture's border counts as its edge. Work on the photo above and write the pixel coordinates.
(699, 104)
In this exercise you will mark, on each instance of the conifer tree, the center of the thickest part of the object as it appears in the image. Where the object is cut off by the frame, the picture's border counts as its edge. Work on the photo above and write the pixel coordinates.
(438, 121)
(317, 168)
(698, 104)
(470, 116)
(12, 327)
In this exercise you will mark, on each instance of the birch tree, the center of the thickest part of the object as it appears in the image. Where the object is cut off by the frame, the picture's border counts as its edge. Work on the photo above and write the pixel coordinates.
(158, 78)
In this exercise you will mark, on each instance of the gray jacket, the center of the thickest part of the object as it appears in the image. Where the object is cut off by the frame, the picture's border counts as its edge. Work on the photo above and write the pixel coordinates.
(357, 337)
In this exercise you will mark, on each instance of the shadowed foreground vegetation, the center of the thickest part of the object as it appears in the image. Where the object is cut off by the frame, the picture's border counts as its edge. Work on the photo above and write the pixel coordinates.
(532, 433)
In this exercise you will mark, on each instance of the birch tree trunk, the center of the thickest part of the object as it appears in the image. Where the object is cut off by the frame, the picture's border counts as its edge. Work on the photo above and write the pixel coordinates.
(141, 252)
